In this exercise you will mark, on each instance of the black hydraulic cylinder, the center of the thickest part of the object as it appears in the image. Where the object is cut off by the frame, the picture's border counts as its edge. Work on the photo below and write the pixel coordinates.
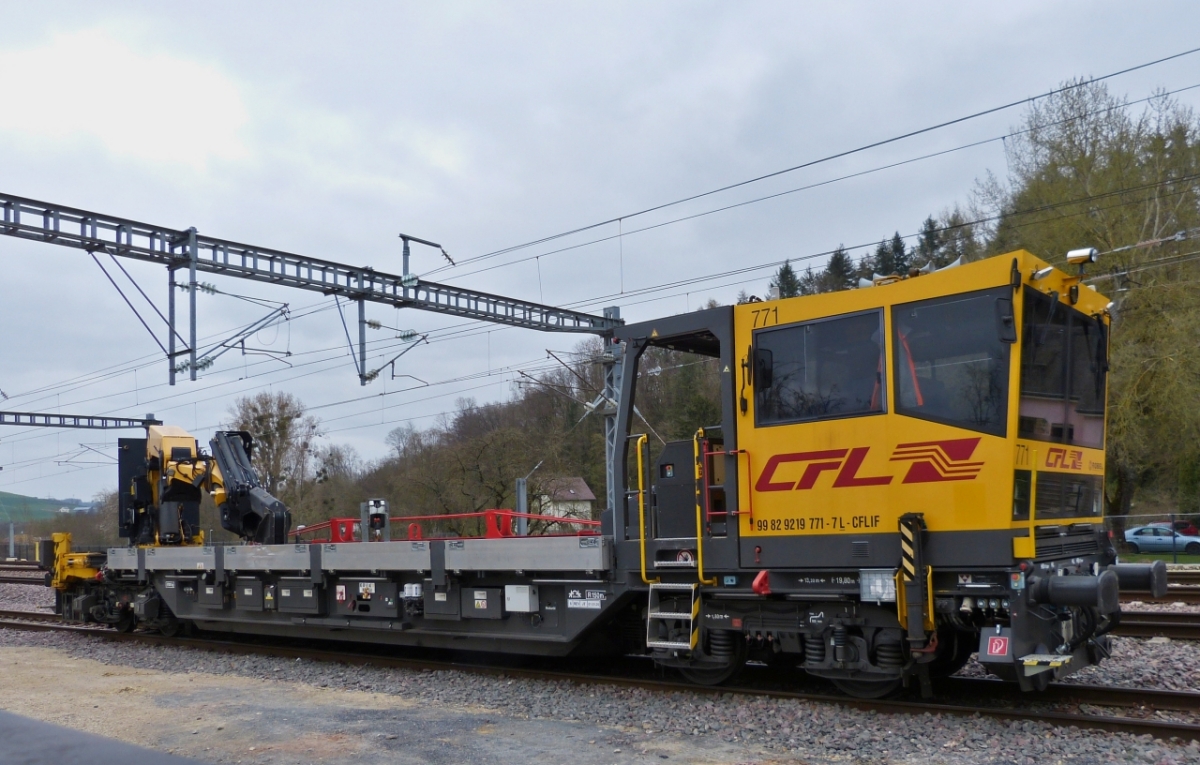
(1146, 577)
(1099, 592)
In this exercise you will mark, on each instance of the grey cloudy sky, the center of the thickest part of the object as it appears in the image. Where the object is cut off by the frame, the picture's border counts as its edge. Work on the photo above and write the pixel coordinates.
(327, 129)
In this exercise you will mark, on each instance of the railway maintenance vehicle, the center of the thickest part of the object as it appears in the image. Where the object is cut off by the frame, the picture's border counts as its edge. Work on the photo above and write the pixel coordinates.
(901, 475)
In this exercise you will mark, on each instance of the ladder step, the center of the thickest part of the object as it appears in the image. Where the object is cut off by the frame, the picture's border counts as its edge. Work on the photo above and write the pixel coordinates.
(1045, 660)
(674, 564)
(672, 586)
(668, 615)
(668, 644)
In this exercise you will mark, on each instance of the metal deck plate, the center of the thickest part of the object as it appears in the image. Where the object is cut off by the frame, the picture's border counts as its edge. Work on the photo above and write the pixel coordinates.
(583, 553)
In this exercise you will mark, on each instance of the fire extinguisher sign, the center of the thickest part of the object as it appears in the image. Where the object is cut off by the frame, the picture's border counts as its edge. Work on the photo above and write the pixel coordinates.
(997, 646)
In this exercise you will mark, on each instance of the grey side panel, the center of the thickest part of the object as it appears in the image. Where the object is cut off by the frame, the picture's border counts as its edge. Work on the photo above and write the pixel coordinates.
(942, 548)
(161, 558)
(969, 548)
(267, 557)
(587, 553)
(566, 554)
(374, 556)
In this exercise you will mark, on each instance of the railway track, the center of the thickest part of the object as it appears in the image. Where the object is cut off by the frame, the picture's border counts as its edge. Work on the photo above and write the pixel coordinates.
(1126, 710)
(40, 579)
(1170, 624)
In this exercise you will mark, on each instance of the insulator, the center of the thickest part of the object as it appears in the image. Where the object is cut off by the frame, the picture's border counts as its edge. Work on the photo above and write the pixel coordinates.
(890, 655)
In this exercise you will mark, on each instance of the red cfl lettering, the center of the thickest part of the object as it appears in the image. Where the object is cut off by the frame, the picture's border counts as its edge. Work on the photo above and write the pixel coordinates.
(1057, 457)
(846, 461)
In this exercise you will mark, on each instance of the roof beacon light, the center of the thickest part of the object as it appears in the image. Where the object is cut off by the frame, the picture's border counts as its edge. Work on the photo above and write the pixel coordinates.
(1042, 273)
(1082, 255)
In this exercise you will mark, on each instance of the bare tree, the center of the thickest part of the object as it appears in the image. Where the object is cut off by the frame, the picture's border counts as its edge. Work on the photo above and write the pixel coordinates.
(283, 437)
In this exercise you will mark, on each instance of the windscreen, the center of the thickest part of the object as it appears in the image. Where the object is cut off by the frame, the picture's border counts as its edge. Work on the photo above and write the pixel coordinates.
(952, 359)
(1064, 366)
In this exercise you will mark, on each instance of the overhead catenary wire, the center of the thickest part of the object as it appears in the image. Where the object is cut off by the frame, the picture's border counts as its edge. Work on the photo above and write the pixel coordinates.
(829, 158)
(807, 187)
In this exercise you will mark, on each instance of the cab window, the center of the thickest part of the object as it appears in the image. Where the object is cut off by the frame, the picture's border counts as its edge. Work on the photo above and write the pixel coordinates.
(819, 369)
(1064, 363)
(952, 357)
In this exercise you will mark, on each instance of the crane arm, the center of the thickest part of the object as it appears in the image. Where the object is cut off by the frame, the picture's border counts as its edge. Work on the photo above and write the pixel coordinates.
(247, 509)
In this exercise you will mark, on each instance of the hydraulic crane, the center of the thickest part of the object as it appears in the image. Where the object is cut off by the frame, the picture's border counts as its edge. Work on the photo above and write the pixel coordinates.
(163, 475)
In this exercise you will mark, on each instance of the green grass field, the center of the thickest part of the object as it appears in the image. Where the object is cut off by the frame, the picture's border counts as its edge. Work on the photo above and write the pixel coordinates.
(20, 508)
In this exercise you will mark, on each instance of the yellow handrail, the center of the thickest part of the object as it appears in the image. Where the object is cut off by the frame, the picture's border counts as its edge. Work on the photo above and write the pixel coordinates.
(1033, 500)
(639, 444)
(701, 474)
(1026, 547)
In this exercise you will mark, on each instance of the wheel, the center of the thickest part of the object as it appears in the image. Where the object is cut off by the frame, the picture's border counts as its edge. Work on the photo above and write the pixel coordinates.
(867, 689)
(713, 676)
(1193, 548)
(171, 627)
(127, 622)
(720, 674)
(1133, 548)
(958, 647)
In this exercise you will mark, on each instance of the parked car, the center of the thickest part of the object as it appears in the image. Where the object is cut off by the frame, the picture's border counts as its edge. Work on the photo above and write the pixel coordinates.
(1187, 528)
(1158, 539)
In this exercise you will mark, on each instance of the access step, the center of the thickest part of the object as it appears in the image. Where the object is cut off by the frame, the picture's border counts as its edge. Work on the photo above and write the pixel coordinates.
(1036, 663)
(656, 615)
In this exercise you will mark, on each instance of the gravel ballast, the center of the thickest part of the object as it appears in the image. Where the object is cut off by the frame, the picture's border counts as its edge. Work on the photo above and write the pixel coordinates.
(24, 597)
(1157, 663)
(814, 732)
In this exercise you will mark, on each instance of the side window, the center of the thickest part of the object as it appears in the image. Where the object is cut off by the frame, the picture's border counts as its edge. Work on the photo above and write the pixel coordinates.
(952, 357)
(820, 369)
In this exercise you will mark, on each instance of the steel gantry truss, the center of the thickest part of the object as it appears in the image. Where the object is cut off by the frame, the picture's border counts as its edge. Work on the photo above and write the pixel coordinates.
(81, 421)
(179, 249)
(187, 249)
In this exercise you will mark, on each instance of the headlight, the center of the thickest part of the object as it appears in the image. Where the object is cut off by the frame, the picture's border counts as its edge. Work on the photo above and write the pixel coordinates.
(877, 584)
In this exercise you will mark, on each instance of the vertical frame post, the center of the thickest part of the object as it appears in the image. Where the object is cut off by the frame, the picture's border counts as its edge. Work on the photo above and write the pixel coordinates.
(362, 331)
(193, 256)
(614, 364)
(523, 506)
(171, 323)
